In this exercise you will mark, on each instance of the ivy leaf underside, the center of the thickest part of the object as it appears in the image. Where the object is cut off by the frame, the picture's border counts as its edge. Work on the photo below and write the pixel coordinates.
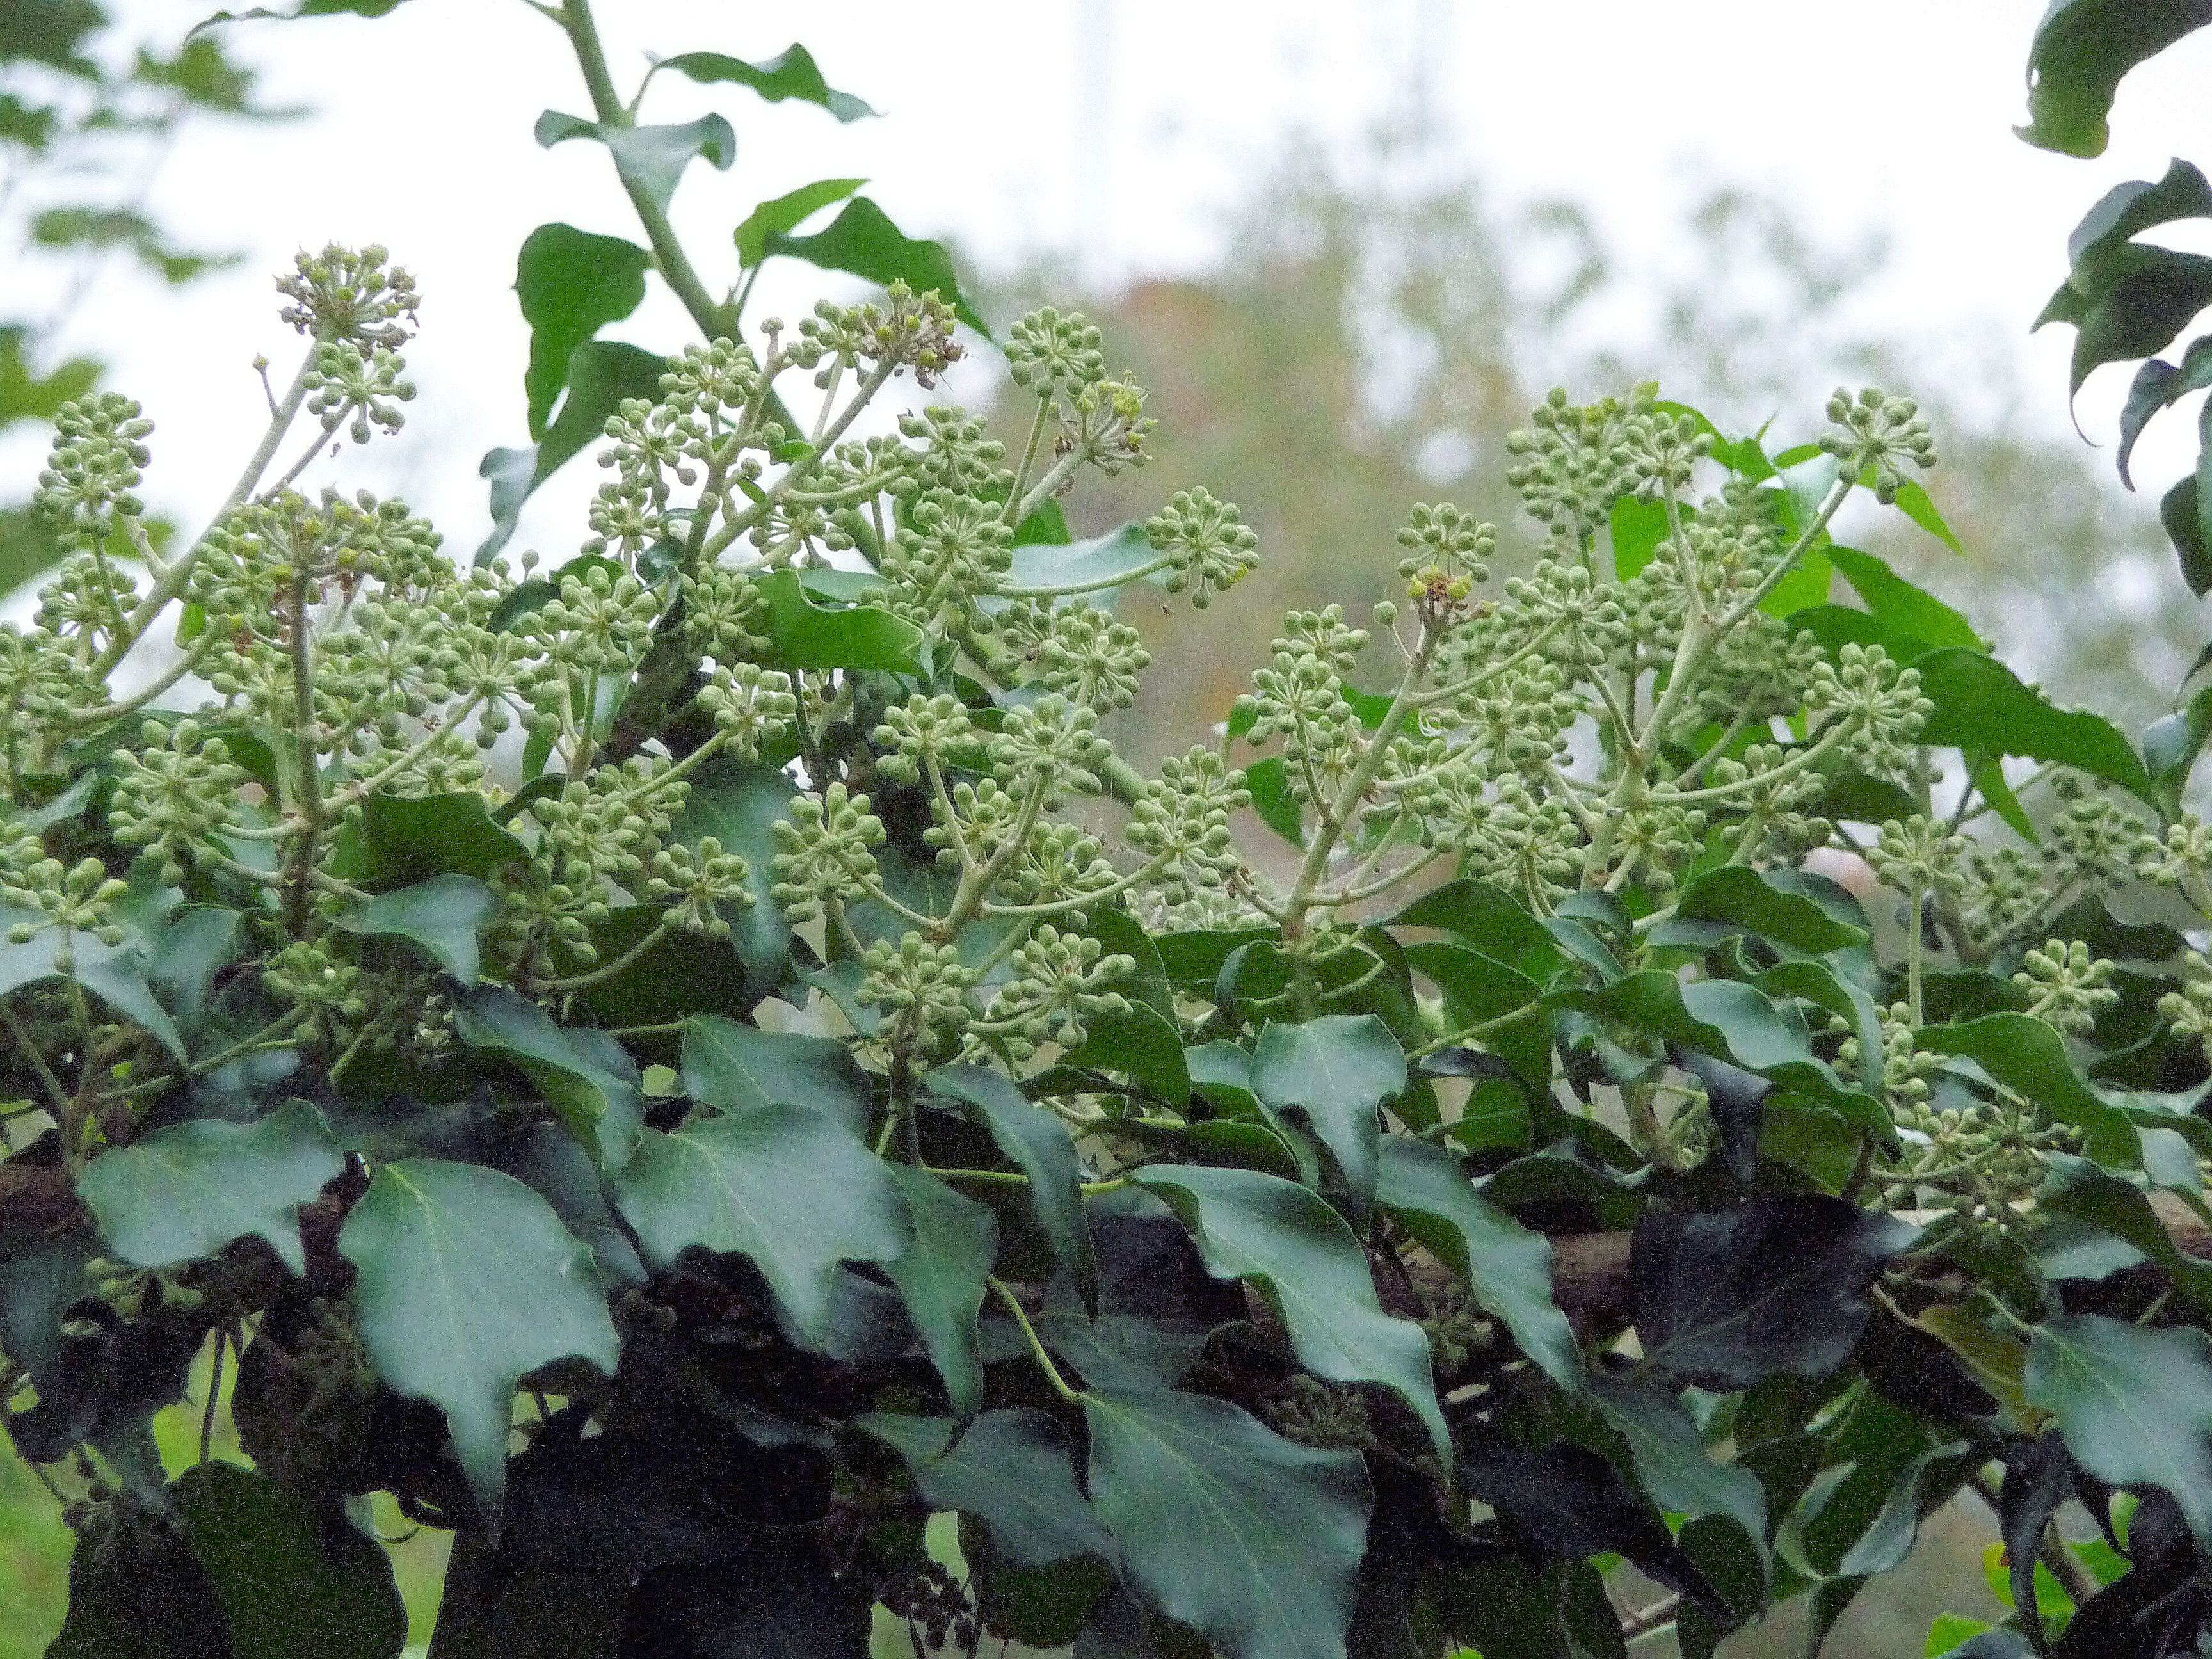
(467, 1281)
(1013, 1469)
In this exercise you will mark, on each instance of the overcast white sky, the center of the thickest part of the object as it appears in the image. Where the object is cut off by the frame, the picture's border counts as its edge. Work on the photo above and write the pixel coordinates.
(1115, 133)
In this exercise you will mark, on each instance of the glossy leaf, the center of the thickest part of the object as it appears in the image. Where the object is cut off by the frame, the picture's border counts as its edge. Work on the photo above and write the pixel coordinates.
(467, 1280)
(1506, 1267)
(442, 915)
(199, 941)
(739, 805)
(1336, 1071)
(1036, 1141)
(804, 636)
(1672, 1465)
(114, 973)
(792, 1190)
(650, 159)
(2181, 511)
(863, 241)
(785, 213)
(2077, 1188)
(1895, 600)
(184, 1192)
(2133, 1405)
(741, 1068)
(571, 284)
(2159, 384)
(942, 1278)
(1981, 705)
(1300, 1255)
(1767, 906)
(1048, 570)
(601, 375)
(1776, 1287)
(2027, 1054)
(291, 1586)
(2126, 211)
(546, 1157)
(1012, 1469)
(409, 839)
(790, 74)
(584, 1075)
(1251, 1539)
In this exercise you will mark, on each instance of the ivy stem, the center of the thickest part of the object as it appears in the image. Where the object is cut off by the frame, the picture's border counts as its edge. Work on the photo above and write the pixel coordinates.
(601, 975)
(1028, 460)
(1037, 1347)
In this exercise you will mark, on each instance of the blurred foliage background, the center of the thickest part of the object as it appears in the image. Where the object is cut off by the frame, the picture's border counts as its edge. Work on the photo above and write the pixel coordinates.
(1373, 329)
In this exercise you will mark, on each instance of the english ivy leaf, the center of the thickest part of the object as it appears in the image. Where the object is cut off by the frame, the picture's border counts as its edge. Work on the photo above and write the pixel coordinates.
(1981, 705)
(1013, 1470)
(199, 943)
(2179, 510)
(2077, 1188)
(790, 74)
(1337, 1070)
(601, 374)
(1639, 527)
(571, 283)
(1912, 501)
(2024, 1053)
(2080, 50)
(1507, 1268)
(741, 1069)
(442, 915)
(289, 1586)
(739, 805)
(1737, 895)
(1895, 600)
(467, 1280)
(1487, 917)
(1143, 1044)
(1301, 1257)
(1251, 1541)
(1048, 570)
(2135, 1405)
(2145, 296)
(1273, 800)
(863, 241)
(546, 1157)
(1776, 1287)
(410, 839)
(795, 1192)
(585, 1075)
(804, 635)
(1038, 1141)
(942, 1278)
(650, 159)
(114, 973)
(1483, 988)
(2125, 211)
(785, 214)
(134, 1587)
(1671, 1462)
(184, 1192)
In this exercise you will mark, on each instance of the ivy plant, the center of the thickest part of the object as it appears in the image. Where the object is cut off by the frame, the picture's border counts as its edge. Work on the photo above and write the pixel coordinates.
(686, 1062)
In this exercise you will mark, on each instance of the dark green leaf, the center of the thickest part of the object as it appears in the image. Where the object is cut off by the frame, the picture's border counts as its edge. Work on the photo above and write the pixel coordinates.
(1981, 705)
(803, 635)
(546, 1157)
(1337, 1070)
(1143, 1043)
(1776, 1287)
(1012, 1469)
(785, 214)
(601, 374)
(741, 1068)
(796, 1192)
(1506, 1268)
(135, 1590)
(1274, 801)
(1044, 570)
(790, 74)
(2126, 211)
(1638, 526)
(784, 1598)
(1897, 601)
(2025, 1054)
(571, 284)
(1672, 1465)
(739, 806)
(2135, 1405)
(942, 1278)
(467, 1280)
(2080, 50)
(1251, 1541)
(443, 916)
(1736, 895)
(2077, 1188)
(198, 944)
(650, 159)
(2149, 295)
(184, 1192)
(410, 839)
(864, 241)
(291, 1586)
(2179, 510)
(1038, 1142)
(1301, 1256)
(584, 1075)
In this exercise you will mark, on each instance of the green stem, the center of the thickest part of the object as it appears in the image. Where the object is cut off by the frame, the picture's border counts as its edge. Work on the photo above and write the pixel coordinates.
(601, 975)
(1036, 1347)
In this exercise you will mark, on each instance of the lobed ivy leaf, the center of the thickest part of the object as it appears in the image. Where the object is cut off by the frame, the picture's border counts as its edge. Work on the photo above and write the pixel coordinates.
(601, 374)
(571, 283)
(185, 1191)
(1311, 1268)
(2133, 1405)
(863, 241)
(1672, 1465)
(114, 973)
(1506, 1267)
(794, 1191)
(1012, 1469)
(741, 1068)
(1776, 1287)
(792, 73)
(546, 1159)
(649, 160)
(466, 1281)
(442, 915)
(942, 1278)
(1337, 1072)
(1482, 988)
(585, 1075)
(1251, 1539)
(785, 213)
(1036, 1140)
